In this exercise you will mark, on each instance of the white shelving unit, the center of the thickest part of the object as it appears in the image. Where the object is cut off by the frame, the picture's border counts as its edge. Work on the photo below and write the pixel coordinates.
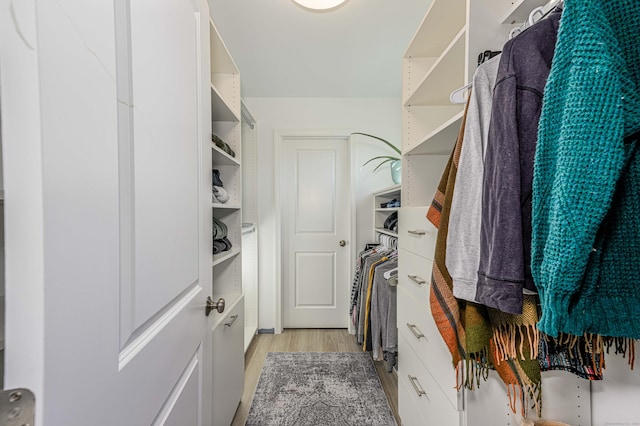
(227, 328)
(442, 57)
(380, 214)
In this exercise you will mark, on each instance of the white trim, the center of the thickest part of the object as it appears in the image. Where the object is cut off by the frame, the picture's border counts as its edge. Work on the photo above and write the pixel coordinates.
(279, 136)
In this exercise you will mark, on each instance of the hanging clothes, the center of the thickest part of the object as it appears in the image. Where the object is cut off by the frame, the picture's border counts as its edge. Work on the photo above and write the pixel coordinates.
(505, 237)
(586, 200)
(465, 218)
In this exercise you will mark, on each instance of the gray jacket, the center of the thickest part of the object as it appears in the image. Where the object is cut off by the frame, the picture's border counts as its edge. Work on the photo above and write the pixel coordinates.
(505, 238)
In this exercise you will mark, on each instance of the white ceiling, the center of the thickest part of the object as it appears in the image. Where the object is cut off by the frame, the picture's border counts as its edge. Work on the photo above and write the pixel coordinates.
(284, 50)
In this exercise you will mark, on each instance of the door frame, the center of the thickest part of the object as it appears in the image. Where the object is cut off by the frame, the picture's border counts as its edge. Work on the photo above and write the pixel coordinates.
(279, 138)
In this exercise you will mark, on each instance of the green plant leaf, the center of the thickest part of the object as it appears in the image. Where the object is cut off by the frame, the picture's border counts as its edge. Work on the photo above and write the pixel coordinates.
(383, 163)
(387, 158)
(392, 146)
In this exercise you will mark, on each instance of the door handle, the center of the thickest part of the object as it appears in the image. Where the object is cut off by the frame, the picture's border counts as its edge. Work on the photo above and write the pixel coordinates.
(416, 331)
(416, 385)
(416, 279)
(417, 232)
(234, 318)
(211, 305)
(342, 243)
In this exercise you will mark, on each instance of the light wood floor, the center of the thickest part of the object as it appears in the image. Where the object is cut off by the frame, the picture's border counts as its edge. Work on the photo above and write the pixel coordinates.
(303, 340)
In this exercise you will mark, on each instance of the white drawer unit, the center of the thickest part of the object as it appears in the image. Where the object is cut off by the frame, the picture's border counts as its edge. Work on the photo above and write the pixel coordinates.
(409, 413)
(417, 234)
(417, 326)
(414, 275)
(228, 365)
(434, 407)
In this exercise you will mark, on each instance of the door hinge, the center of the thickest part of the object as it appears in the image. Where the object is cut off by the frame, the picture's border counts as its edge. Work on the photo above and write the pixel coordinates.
(17, 407)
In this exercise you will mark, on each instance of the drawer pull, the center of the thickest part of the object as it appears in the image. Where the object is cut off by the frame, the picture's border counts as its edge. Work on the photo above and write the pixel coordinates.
(234, 318)
(417, 232)
(416, 385)
(415, 330)
(416, 279)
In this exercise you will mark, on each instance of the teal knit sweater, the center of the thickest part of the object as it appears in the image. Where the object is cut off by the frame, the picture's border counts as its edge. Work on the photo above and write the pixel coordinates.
(586, 190)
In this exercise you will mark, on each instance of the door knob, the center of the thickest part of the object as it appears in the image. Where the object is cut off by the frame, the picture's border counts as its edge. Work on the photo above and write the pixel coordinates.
(342, 243)
(211, 305)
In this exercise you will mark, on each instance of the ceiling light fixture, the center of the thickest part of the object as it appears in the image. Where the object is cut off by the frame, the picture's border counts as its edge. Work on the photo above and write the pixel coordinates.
(319, 4)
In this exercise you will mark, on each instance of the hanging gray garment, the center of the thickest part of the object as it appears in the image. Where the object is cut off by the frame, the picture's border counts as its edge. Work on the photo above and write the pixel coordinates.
(465, 217)
(379, 315)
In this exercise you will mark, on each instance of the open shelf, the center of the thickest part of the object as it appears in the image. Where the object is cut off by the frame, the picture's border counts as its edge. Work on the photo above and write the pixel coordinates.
(221, 59)
(226, 206)
(392, 209)
(220, 110)
(441, 23)
(446, 74)
(440, 140)
(386, 232)
(225, 255)
(519, 11)
(222, 158)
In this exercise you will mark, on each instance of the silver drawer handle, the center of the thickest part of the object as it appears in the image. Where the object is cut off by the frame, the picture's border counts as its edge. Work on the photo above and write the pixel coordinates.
(416, 385)
(415, 330)
(416, 279)
(417, 232)
(234, 318)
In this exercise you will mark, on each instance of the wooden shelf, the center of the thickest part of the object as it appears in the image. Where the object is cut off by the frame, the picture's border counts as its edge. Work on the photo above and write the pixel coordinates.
(226, 206)
(221, 59)
(386, 232)
(225, 255)
(390, 191)
(520, 10)
(442, 139)
(221, 158)
(446, 74)
(220, 109)
(443, 21)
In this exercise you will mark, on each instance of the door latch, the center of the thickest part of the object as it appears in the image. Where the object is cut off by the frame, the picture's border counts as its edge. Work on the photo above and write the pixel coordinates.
(17, 407)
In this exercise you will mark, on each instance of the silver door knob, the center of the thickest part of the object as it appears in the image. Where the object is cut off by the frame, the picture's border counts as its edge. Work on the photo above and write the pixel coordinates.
(342, 243)
(211, 305)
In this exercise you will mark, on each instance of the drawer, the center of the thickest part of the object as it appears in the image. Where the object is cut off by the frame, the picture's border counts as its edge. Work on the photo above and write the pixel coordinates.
(228, 365)
(433, 406)
(407, 409)
(414, 275)
(416, 233)
(417, 326)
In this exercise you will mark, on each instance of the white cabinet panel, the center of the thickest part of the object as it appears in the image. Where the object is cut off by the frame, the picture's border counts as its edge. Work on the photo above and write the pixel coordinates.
(417, 234)
(418, 328)
(228, 365)
(432, 404)
(414, 276)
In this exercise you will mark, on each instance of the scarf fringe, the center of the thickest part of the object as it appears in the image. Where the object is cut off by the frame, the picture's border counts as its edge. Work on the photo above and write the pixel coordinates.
(472, 371)
(623, 346)
(529, 397)
(510, 341)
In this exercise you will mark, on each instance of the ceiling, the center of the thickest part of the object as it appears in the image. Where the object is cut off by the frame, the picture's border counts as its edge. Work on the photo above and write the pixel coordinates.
(285, 50)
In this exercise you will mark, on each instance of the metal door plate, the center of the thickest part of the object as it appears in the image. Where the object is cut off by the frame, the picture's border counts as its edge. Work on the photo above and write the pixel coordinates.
(17, 407)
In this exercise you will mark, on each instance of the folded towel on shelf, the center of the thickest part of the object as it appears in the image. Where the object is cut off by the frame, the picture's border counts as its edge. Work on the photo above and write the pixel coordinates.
(220, 195)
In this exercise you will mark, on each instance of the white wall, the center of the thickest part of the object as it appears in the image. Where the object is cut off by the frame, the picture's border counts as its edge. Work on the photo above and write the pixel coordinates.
(378, 116)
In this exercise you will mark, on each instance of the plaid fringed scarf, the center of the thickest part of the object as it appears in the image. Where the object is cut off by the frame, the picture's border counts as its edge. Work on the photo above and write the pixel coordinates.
(463, 326)
(466, 327)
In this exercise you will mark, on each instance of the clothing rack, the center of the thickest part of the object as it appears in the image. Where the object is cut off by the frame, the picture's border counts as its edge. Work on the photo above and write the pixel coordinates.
(388, 241)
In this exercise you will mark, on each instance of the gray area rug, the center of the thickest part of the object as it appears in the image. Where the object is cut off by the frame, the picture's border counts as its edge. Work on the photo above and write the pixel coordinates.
(319, 389)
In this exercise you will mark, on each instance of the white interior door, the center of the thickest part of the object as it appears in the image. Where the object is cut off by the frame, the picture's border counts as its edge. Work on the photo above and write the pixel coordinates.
(111, 233)
(316, 231)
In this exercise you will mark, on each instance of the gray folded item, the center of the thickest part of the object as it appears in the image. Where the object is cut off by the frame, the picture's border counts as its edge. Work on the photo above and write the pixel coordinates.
(220, 194)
